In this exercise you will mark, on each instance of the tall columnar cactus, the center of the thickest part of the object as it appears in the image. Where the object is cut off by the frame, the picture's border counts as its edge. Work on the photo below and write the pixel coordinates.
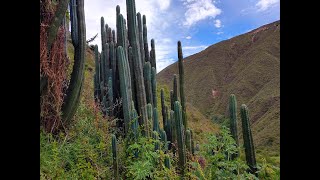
(125, 86)
(154, 86)
(155, 120)
(110, 97)
(171, 100)
(163, 110)
(169, 126)
(97, 72)
(247, 139)
(114, 36)
(155, 136)
(137, 65)
(181, 85)
(72, 99)
(233, 120)
(153, 55)
(150, 114)
(145, 39)
(117, 23)
(147, 81)
(141, 42)
(134, 123)
(167, 161)
(106, 62)
(175, 88)
(163, 136)
(109, 35)
(130, 59)
(74, 21)
(103, 42)
(180, 136)
(115, 157)
(113, 66)
(173, 127)
(188, 141)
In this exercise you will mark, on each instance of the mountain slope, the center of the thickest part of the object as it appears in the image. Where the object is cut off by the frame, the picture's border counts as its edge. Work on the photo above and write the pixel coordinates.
(247, 66)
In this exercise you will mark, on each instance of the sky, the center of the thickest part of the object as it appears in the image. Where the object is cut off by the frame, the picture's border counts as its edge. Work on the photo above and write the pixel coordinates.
(196, 23)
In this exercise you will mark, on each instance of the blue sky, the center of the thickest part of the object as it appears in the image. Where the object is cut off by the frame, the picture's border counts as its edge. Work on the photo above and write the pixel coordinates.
(196, 23)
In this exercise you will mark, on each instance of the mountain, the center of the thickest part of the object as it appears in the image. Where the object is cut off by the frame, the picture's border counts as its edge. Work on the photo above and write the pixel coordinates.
(248, 66)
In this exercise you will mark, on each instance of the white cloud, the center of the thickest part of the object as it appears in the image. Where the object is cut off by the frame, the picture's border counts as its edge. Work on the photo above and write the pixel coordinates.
(217, 23)
(163, 4)
(198, 10)
(218, 33)
(188, 37)
(266, 4)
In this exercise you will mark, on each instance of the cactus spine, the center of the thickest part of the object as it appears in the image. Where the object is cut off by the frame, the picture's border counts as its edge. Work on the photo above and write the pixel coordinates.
(72, 99)
(115, 158)
(181, 86)
(247, 139)
(137, 65)
(180, 136)
(125, 86)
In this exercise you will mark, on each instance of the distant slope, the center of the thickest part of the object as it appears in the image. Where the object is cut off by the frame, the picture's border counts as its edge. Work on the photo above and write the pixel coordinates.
(248, 66)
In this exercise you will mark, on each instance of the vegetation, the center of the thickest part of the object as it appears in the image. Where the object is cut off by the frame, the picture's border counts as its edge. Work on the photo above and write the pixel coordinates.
(118, 132)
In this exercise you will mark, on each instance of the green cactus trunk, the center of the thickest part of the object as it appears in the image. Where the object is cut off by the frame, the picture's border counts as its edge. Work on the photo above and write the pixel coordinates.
(154, 87)
(141, 42)
(173, 127)
(103, 42)
(164, 140)
(150, 114)
(171, 100)
(153, 55)
(110, 97)
(163, 110)
(155, 136)
(72, 99)
(181, 86)
(125, 86)
(247, 139)
(145, 39)
(115, 157)
(167, 162)
(180, 137)
(175, 88)
(97, 73)
(155, 120)
(188, 141)
(130, 59)
(233, 121)
(113, 66)
(137, 65)
(134, 124)
(147, 81)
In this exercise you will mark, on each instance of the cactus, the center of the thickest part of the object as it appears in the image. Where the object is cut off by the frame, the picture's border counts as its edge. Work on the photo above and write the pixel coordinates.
(167, 161)
(147, 81)
(97, 72)
(114, 36)
(180, 136)
(109, 35)
(163, 136)
(110, 97)
(188, 141)
(130, 59)
(163, 110)
(155, 120)
(74, 90)
(175, 88)
(171, 100)
(137, 65)
(103, 42)
(150, 114)
(114, 157)
(173, 127)
(247, 139)
(125, 86)
(134, 123)
(181, 85)
(155, 136)
(169, 127)
(154, 87)
(117, 23)
(153, 55)
(106, 55)
(141, 42)
(145, 40)
(233, 121)
(74, 22)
